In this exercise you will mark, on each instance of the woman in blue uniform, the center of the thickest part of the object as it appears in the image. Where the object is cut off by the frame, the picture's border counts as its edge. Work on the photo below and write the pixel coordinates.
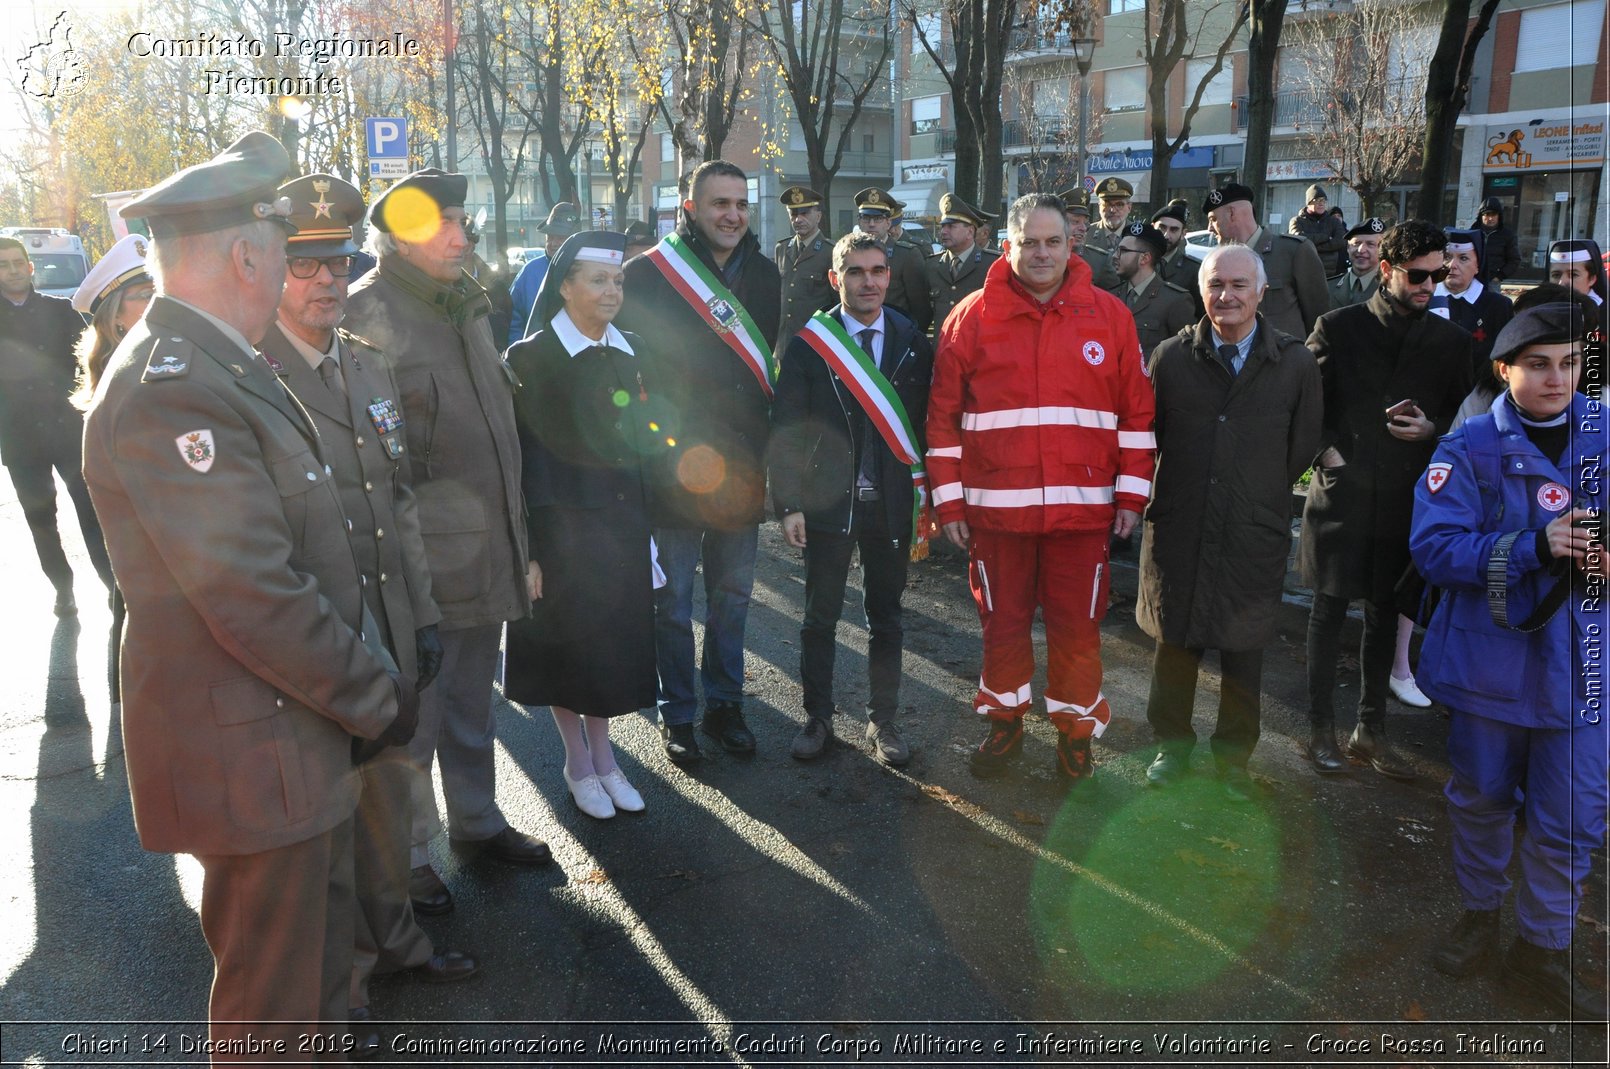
(588, 418)
(1503, 524)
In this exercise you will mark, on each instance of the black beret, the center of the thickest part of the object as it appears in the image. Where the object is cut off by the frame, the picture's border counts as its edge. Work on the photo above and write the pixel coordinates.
(1544, 324)
(324, 209)
(1150, 235)
(445, 188)
(1174, 209)
(641, 233)
(1226, 194)
(1369, 226)
(235, 187)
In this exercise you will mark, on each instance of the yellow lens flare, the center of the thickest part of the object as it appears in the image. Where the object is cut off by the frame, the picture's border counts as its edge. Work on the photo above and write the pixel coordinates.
(412, 215)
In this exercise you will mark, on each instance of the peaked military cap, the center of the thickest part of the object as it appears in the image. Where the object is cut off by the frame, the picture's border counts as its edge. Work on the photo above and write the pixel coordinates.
(122, 264)
(874, 201)
(1368, 227)
(1228, 193)
(1175, 209)
(1075, 200)
(324, 209)
(1115, 189)
(899, 212)
(446, 188)
(1151, 236)
(952, 209)
(799, 198)
(235, 187)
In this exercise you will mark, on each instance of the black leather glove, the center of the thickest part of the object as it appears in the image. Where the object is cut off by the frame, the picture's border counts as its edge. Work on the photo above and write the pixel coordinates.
(428, 650)
(400, 731)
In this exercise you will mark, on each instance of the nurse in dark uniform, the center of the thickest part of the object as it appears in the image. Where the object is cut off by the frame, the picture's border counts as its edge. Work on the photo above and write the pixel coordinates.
(588, 421)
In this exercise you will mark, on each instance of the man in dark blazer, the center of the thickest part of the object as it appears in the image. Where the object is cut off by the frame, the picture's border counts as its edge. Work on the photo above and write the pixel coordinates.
(1238, 418)
(960, 268)
(803, 261)
(838, 486)
(346, 389)
(1394, 376)
(250, 674)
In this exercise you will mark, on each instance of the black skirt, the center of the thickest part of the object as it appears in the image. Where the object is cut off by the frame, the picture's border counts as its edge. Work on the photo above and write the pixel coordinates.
(588, 645)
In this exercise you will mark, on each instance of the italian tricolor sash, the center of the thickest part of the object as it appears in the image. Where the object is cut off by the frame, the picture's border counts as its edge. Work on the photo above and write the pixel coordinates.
(716, 305)
(881, 404)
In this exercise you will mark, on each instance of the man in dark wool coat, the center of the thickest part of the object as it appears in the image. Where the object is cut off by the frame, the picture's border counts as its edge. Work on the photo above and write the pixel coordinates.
(1238, 418)
(1394, 377)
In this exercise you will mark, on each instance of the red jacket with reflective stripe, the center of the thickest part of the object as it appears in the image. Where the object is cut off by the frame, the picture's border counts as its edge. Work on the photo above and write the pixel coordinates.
(1040, 415)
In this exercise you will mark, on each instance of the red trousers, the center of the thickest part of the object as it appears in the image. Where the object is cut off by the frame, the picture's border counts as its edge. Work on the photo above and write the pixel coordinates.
(1066, 576)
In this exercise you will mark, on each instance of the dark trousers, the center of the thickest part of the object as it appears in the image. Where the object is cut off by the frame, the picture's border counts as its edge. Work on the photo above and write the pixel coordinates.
(1173, 693)
(1375, 658)
(35, 482)
(884, 559)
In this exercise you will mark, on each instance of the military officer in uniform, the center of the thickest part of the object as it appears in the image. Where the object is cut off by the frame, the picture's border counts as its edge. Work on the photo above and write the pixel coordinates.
(251, 675)
(803, 260)
(1114, 195)
(1176, 267)
(1297, 295)
(1076, 210)
(1161, 308)
(908, 281)
(960, 269)
(1358, 283)
(353, 402)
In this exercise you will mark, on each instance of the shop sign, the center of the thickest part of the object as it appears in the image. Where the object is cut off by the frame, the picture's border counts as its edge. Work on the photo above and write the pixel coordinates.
(1140, 159)
(1544, 143)
(1299, 171)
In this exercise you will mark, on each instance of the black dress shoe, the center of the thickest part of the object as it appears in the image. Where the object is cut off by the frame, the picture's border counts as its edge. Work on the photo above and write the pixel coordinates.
(364, 1034)
(1371, 745)
(1547, 974)
(1168, 766)
(1468, 946)
(680, 744)
(724, 722)
(445, 967)
(1322, 750)
(514, 847)
(65, 605)
(427, 892)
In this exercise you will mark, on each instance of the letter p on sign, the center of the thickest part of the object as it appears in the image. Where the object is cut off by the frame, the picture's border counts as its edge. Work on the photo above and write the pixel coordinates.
(388, 138)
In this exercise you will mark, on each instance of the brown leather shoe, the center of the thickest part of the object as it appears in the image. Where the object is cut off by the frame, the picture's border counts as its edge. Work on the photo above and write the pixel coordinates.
(427, 892)
(511, 846)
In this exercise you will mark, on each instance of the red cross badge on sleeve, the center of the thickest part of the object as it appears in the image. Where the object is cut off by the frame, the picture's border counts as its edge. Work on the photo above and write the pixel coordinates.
(1554, 497)
(1437, 476)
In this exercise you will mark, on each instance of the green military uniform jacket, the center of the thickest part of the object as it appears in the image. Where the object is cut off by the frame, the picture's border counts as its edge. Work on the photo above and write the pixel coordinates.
(1161, 310)
(908, 283)
(1181, 270)
(365, 444)
(806, 289)
(1297, 293)
(1342, 293)
(947, 285)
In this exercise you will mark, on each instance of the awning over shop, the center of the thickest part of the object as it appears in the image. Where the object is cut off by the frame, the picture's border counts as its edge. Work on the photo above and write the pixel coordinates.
(921, 197)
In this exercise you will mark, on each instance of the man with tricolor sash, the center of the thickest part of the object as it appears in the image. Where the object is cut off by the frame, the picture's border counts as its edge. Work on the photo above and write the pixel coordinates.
(847, 472)
(708, 302)
(1040, 448)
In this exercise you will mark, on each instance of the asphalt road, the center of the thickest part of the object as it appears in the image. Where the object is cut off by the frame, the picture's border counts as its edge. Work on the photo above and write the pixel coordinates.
(768, 912)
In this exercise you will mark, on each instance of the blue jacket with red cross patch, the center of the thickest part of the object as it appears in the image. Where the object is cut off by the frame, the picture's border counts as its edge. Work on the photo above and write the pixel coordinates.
(1470, 496)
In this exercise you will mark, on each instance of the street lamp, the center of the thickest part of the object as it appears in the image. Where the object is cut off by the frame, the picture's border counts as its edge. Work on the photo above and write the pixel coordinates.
(1084, 51)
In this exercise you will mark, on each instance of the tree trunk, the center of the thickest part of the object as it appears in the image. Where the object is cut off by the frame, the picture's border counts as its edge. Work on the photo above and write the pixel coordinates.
(1447, 89)
(1263, 46)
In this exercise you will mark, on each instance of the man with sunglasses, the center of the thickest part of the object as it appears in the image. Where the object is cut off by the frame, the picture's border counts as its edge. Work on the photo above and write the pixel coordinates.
(349, 393)
(1393, 377)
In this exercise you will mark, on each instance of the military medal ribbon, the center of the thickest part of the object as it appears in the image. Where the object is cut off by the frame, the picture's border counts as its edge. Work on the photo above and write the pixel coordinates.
(881, 404)
(716, 305)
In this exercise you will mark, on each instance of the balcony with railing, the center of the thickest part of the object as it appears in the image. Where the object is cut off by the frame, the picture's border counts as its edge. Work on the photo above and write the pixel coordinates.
(1032, 40)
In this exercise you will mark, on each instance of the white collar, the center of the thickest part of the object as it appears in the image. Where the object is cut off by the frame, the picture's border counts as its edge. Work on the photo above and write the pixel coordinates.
(574, 341)
(853, 326)
(1471, 295)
